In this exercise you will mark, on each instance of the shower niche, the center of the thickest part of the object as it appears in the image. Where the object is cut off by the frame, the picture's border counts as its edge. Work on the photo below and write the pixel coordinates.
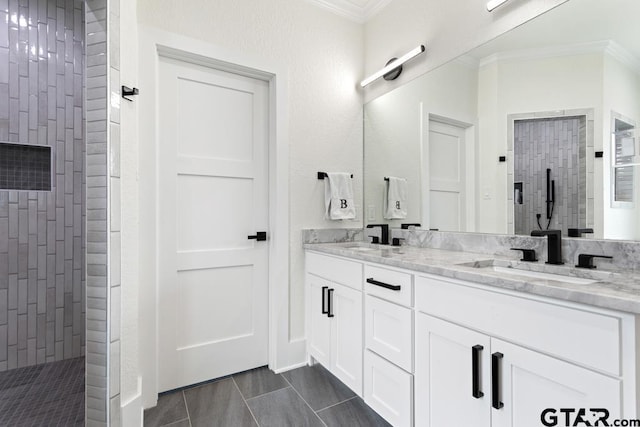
(25, 167)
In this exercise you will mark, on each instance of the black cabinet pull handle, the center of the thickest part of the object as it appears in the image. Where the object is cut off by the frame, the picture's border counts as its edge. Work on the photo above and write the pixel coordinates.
(324, 293)
(475, 371)
(383, 285)
(330, 301)
(260, 236)
(495, 380)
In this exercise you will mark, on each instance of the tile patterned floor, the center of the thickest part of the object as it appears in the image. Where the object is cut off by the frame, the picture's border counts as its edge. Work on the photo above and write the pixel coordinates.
(307, 396)
(51, 394)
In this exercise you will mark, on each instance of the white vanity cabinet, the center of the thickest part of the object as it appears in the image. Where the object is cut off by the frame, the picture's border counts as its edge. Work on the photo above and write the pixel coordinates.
(497, 358)
(428, 350)
(388, 358)
(334, 316)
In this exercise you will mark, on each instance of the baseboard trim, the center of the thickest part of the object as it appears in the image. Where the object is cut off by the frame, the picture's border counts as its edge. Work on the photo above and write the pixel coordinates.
(131, 410)
(288, 368)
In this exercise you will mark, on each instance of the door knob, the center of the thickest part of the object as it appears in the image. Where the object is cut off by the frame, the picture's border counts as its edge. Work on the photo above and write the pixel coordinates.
(259, 236)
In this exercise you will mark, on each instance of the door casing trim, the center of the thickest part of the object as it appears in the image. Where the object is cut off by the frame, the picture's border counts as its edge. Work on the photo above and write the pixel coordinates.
(155, 43)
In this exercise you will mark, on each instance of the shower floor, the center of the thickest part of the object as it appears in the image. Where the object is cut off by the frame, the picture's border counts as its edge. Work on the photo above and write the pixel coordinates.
(51, 394)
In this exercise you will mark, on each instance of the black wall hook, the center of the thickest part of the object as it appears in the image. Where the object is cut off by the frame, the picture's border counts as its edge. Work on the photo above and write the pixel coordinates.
(127, 91)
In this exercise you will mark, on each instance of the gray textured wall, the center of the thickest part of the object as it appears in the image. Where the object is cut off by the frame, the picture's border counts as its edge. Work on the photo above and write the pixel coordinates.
(559, 144)
(42, 274)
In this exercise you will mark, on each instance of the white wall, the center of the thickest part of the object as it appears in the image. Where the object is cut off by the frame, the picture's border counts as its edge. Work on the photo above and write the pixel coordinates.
(447, 28)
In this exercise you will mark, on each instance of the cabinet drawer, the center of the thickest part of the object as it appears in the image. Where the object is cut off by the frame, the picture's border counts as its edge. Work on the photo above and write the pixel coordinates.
(569, 332)
(389, 331)
(338, 270)
(388, 390)
(383, 279)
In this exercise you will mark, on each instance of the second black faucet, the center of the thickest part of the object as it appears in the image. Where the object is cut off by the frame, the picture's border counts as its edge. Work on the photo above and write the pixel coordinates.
(554, 245)
(384, 236)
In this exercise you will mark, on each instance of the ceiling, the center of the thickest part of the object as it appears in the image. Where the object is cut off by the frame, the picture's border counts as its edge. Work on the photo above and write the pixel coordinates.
(356, 10)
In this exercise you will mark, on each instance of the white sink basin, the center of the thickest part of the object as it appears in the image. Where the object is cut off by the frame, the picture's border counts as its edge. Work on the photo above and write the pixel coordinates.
(533, 271)
(539, 275)
(362, 248)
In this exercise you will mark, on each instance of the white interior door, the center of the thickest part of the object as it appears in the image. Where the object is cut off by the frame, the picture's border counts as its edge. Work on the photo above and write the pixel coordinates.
(213, 194)
(446, 160)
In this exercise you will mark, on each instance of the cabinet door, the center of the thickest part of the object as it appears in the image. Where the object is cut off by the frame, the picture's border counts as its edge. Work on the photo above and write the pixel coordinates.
(444, 374)
(346, 336)
(530, 383)
(319, 322)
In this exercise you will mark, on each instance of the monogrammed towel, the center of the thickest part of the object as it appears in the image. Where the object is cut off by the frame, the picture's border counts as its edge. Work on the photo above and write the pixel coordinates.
(338, 196)
(396, 198)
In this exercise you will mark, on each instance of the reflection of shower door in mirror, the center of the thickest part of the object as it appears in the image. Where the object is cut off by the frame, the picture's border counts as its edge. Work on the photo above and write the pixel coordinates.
(446, 198)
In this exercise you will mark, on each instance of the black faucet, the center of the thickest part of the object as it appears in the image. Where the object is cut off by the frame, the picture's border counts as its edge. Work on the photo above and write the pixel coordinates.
(554, 245)
(577, 232)
(528, 255)
(586, 260)
(384, 236)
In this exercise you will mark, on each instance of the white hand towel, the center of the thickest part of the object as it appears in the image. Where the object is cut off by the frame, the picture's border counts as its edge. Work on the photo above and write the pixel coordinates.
(396, 200)
(338, 196)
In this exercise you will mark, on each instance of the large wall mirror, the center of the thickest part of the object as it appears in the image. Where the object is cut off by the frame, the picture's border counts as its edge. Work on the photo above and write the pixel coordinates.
(533, 130)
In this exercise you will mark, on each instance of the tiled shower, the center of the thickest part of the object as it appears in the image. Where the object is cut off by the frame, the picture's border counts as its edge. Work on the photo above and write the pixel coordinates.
(558, 144)
(42, 183)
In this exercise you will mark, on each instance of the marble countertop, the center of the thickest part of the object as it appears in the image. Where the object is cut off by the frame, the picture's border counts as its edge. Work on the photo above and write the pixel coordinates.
(605, 289)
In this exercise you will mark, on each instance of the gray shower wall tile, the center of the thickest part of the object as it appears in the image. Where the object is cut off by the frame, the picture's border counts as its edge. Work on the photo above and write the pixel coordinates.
(555, 144)
(43, 98)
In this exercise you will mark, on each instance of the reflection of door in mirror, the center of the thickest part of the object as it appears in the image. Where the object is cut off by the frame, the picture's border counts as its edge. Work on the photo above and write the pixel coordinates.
(549, 159)
(446, 198)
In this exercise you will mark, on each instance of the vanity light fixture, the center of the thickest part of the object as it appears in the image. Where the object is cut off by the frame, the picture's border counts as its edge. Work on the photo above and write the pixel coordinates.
(495, 3)
(393, 65)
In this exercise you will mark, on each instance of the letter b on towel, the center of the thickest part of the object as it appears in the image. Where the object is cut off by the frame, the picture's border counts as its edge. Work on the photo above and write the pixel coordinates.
(343, 204)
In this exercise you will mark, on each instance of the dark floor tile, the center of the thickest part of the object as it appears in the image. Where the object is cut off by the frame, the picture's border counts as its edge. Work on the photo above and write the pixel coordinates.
(259, 381)
(352, 413)
(51, 394)
(218, 404)
(170, 408)
(318, 387)
(283, 408)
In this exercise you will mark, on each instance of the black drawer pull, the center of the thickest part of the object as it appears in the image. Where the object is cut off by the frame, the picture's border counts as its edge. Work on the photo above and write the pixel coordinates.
(383, 285)
(495, 380)
(330, 301)
(475, 371)
(324, 300)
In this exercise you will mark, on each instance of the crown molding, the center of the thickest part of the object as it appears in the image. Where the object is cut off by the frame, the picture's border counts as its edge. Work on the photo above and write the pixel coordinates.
(350, 10)
(609, 47)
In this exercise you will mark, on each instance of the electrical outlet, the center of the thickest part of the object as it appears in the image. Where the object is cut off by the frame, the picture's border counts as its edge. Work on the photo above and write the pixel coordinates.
(371, 213)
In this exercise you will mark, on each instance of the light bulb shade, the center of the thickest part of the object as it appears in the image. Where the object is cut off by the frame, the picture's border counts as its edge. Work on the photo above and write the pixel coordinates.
(393, 65)
(494, 3)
